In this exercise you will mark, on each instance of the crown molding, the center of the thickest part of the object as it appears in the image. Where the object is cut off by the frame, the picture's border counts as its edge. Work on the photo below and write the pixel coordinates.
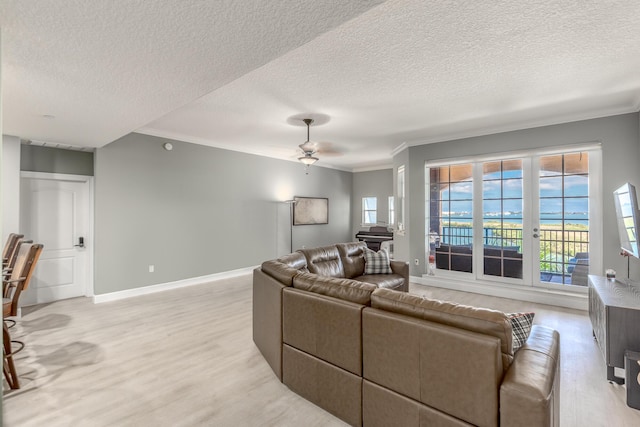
(201, 141)
(532, 124)
(399, 149)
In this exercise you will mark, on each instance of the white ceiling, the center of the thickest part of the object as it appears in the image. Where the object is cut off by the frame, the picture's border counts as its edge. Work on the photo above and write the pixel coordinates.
(233, 74)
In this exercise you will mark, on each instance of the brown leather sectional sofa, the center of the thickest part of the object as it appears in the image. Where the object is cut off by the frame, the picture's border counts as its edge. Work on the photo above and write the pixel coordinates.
(376, 356)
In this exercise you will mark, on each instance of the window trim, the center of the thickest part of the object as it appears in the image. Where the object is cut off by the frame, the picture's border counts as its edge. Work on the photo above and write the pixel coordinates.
(364, 211)
(401, 189)
(586, 146)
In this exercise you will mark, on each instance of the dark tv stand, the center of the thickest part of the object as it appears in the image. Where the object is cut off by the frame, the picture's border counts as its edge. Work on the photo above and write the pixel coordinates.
(614, 310)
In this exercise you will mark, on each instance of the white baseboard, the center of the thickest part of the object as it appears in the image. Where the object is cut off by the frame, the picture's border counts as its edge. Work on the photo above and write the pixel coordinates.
(540, 296)
(146, 290)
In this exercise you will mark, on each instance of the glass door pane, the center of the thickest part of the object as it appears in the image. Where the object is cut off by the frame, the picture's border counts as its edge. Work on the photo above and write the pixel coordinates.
(451, 217)
(502, 216)
(563, 232)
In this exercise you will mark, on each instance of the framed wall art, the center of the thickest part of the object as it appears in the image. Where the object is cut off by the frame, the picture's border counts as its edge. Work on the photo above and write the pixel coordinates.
(310, 211)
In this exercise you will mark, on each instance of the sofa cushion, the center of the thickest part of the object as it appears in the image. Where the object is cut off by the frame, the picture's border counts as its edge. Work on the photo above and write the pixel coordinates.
(324, 261)
(450, 369)
(490, 322)
(376, 262)
(388, 281)
(521, 328)
(324, 327)
(352, 257)
(345, 289)
(324, 384)
(284, 268)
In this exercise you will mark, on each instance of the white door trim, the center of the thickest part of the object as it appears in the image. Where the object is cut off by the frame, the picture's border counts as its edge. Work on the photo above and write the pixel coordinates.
(88, 291)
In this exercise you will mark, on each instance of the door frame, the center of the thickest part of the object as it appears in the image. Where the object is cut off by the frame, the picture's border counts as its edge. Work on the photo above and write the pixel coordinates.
(529, 280)
(89, 242)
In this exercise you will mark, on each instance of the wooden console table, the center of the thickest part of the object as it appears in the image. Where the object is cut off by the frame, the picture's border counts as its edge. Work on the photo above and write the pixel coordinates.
(614, 310)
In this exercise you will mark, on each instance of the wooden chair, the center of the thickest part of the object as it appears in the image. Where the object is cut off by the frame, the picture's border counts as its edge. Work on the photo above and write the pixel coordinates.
(8, 365)
(10, 247)
(8, 267)
(6, 273)
(18, 281)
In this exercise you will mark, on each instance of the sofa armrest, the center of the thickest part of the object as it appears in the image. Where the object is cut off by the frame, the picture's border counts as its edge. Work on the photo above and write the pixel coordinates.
(267, 318)
(530, 390)
(401, 268)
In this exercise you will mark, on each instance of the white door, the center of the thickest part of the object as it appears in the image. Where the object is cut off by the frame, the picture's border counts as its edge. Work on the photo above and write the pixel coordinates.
(565, 218)
(55, 211)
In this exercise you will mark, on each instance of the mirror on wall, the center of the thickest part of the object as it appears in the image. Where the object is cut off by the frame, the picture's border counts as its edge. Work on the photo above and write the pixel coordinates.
(626, 202)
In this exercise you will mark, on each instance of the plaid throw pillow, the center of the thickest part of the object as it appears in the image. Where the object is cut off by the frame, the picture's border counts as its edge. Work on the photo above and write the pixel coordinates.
(376, 262)
(521, 328)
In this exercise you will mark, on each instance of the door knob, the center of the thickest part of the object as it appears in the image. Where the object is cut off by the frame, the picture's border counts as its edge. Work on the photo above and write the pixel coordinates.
(80, 242)
(536, 235)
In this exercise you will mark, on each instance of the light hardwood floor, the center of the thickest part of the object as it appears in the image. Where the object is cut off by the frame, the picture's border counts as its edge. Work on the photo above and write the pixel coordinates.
(186, 358)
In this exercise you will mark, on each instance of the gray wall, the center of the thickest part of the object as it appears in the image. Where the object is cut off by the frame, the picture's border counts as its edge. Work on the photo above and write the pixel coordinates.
(197, 210)
(35, 158)
(10, 185)
(371, 184)
(620, 140)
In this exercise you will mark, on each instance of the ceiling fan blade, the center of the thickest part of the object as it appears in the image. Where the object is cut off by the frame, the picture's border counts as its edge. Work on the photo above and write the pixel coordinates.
(325, 148)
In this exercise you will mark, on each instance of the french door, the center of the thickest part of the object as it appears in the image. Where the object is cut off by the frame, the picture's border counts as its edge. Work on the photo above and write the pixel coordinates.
(525, 220)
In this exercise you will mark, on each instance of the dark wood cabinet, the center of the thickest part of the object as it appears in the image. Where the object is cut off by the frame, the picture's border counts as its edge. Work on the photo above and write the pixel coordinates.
(614, 310)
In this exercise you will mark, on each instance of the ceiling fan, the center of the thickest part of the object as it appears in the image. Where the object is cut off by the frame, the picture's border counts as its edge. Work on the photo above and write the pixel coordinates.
(308, 148)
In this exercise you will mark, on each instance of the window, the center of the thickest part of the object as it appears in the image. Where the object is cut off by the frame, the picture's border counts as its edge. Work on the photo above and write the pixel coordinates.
(369, 210)
(392, 212)
(401, 189)
(517, 220)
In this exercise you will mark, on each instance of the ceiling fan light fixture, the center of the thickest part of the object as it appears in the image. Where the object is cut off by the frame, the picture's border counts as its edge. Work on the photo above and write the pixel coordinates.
(308, 159)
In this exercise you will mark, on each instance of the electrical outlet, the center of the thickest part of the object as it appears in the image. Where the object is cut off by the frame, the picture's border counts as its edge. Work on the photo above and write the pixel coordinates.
(416, 261)
(152, 268)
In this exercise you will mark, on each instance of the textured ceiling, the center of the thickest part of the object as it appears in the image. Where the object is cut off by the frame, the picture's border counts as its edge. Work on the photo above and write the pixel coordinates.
(401, 72)
(106, 68)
